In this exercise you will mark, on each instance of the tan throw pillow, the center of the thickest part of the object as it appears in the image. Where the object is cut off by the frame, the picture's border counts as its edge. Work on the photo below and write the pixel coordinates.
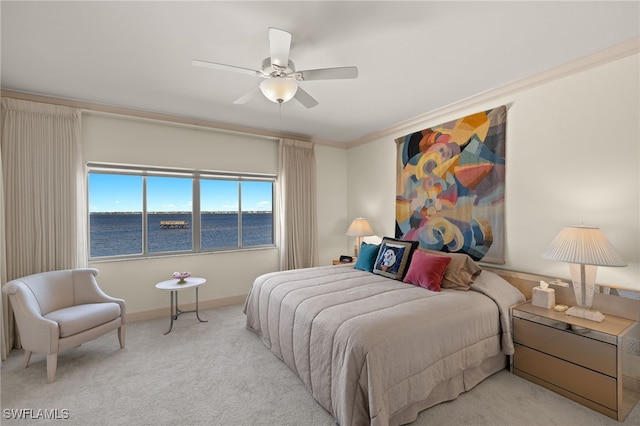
(460, 273)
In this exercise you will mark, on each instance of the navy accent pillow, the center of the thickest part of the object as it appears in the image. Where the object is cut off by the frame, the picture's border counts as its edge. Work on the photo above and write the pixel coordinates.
(394, 257)
(367, 257)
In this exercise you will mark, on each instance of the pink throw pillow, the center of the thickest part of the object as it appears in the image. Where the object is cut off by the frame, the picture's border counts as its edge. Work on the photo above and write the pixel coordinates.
(426, 270)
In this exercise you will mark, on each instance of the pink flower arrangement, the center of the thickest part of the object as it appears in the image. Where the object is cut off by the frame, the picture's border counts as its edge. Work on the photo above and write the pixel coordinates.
(181, 276)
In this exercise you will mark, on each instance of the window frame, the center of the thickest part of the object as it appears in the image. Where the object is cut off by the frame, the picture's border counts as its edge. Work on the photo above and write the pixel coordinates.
(196, 176)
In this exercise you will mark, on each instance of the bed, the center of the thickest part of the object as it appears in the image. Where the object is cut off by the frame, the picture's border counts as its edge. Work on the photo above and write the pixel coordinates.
(377, 351)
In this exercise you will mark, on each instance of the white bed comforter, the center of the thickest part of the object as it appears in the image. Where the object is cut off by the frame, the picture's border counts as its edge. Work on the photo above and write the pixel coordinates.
(368, 347)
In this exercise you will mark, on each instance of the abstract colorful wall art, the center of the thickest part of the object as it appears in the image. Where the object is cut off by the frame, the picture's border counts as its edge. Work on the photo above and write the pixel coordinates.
(450, 186)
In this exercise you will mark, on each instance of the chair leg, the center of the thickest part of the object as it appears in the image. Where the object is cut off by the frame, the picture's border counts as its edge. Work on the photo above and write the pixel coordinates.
(121, 335)
(52, 364)
(27, 358)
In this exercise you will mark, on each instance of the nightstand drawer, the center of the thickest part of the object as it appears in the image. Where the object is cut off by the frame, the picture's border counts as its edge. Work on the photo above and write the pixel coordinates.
(577, 349)
(578, 380)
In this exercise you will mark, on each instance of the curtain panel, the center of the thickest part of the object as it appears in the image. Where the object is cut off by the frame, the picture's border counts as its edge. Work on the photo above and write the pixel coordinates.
(6, 320)
(298, 228)
(44, 190)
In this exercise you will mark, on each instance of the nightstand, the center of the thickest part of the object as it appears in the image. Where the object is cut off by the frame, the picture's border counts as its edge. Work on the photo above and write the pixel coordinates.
(594, 364)
(338, 262)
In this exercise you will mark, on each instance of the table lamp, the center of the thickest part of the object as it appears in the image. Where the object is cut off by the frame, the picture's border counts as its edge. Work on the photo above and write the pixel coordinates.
(359, 228)
(584, 248)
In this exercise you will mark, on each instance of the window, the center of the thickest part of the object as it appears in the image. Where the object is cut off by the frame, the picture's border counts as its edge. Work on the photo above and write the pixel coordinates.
(144, 212)
(219, 213)
(169, 214)
(256, 213)
(115, 220)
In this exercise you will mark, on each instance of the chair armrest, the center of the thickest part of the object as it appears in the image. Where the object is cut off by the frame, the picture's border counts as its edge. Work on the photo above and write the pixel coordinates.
(87, 290)
(37, 333)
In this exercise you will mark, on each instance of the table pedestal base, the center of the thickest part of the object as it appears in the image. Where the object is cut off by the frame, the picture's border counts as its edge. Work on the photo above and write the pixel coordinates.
(175, 311)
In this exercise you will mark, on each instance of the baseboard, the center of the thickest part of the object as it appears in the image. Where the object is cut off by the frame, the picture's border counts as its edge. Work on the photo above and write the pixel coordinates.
(202, 305)
(631, 383)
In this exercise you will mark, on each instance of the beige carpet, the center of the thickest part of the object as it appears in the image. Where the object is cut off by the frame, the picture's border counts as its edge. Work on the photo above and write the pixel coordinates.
(218, 373)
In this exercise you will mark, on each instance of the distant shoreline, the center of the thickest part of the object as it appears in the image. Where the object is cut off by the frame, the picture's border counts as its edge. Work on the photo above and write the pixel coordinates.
(204, 212)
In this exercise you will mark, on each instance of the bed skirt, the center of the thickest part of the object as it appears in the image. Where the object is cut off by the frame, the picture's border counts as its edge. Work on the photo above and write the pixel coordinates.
(451, 388)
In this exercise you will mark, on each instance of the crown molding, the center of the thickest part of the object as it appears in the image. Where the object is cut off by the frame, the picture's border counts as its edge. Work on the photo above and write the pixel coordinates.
(618, 51)
(104, 109)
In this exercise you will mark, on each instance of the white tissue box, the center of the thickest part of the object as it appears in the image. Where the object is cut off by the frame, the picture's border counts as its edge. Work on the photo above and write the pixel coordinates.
(543, 298)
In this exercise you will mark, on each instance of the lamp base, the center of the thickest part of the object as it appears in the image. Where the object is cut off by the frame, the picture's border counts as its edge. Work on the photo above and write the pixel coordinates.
(586, 313)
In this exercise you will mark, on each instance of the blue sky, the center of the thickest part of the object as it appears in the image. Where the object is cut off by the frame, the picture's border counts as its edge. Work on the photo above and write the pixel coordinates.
(123, 193)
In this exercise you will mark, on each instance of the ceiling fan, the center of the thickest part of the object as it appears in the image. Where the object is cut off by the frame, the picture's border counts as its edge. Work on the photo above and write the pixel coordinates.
(280, 76)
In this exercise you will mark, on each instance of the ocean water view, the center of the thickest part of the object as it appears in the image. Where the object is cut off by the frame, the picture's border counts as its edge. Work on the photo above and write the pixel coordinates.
(116, 234)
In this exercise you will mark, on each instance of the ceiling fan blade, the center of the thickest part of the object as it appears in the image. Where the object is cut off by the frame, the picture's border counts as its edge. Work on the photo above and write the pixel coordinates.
(329, 73)
(304, 98)
(279, 45)
(247, 96)
(225, 67)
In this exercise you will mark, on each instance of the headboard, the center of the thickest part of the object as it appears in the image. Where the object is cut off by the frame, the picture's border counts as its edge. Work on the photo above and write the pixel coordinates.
(607, 304)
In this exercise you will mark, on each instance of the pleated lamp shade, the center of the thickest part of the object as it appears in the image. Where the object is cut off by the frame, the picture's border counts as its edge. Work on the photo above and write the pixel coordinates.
(586, 245)
(584, 248)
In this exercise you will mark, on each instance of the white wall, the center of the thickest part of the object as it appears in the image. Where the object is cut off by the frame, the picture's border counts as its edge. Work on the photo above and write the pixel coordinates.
(118, 139)
(573, 157)
(331, 170)
(130, 141)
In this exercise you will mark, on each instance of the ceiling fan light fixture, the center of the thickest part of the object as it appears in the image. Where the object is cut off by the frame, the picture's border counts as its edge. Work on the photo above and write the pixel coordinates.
(279, 72)
(279, 90)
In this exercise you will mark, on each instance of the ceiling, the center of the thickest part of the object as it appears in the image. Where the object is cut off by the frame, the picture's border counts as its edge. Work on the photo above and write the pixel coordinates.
(413, 57)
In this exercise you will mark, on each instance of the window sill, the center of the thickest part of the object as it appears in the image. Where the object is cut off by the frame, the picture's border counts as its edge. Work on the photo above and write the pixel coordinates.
(176, 254)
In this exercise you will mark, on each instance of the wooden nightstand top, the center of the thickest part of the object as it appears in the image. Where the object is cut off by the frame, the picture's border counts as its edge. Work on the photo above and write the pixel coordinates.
(610, 325)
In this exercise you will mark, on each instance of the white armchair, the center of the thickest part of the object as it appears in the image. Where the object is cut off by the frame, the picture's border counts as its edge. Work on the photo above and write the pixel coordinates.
(58, 310)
